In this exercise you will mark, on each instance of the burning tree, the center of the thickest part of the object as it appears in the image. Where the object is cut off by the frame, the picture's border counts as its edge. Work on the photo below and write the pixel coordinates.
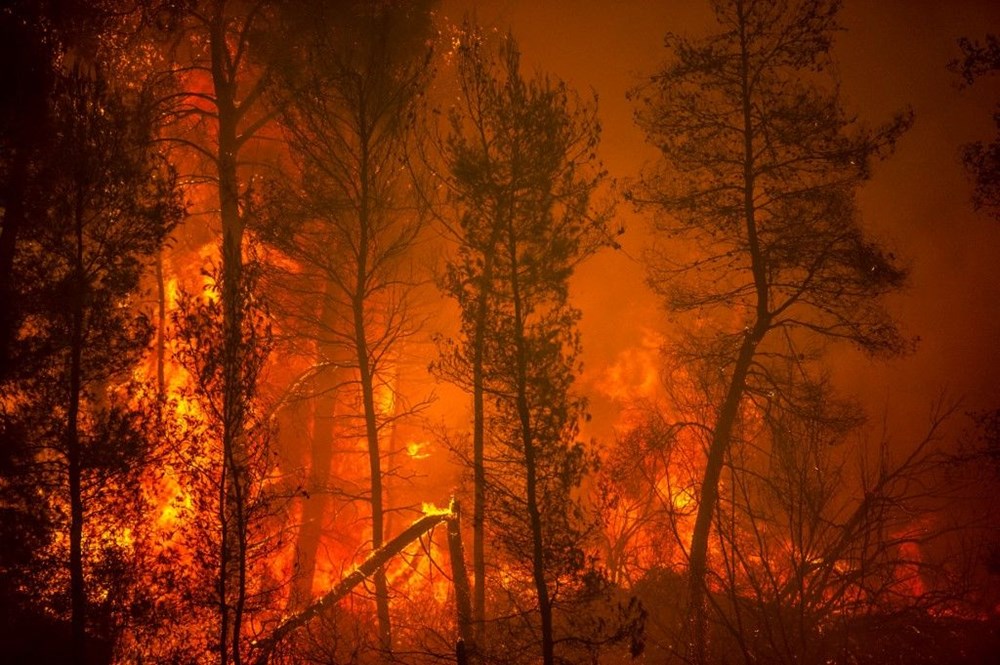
(760, 165)
(351, 225)
(220, 62)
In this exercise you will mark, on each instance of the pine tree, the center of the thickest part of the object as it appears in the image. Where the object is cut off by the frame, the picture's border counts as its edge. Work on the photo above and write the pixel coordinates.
(760, 166)
(981, 159)
(522, 172)
(106, 207)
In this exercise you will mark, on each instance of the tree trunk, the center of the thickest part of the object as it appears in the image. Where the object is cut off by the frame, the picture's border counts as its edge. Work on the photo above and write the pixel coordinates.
(479, 452)
(161, 330)
(698, 558)
(324, 404)
(722, 432)
(78, 595)
(375, 469)
(530, 464)
(234, 545)
(460, 580)
(366, 373)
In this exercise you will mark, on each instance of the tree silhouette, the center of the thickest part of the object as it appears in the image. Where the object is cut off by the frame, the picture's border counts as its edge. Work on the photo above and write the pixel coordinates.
(221, 67)
(522, 170)
(351, 221)
(982, 160)
(760, 165)
(109, 204)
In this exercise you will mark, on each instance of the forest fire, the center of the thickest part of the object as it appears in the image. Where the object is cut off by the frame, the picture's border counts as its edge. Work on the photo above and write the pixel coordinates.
(303, 358)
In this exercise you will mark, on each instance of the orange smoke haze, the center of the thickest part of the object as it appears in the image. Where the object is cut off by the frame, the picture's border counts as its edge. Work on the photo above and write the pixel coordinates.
(891, 55)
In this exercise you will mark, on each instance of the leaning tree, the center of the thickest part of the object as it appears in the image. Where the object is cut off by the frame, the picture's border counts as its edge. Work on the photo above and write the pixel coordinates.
(754, 198)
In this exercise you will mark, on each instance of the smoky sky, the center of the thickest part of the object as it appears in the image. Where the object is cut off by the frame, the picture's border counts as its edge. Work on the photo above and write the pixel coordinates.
(892, 55)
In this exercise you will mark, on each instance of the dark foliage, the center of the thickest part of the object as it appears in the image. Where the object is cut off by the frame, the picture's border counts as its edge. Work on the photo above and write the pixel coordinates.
(981, 158)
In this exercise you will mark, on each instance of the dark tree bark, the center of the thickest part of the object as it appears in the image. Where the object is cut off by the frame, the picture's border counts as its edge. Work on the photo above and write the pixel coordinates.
(233, 474)
(217, 40)
(161, 329)
(367, 382)
(479, 447)
(531, 470)
(108, 204)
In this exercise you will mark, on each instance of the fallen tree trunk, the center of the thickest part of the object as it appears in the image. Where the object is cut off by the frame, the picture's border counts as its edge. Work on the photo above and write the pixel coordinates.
(376, 560)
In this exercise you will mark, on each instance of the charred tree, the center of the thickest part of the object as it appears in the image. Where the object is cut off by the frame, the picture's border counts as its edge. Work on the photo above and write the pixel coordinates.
(85, 199)
(473, 293)
(760, 165)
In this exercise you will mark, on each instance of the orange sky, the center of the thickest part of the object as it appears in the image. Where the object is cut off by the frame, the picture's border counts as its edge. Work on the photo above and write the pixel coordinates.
(892, 54)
